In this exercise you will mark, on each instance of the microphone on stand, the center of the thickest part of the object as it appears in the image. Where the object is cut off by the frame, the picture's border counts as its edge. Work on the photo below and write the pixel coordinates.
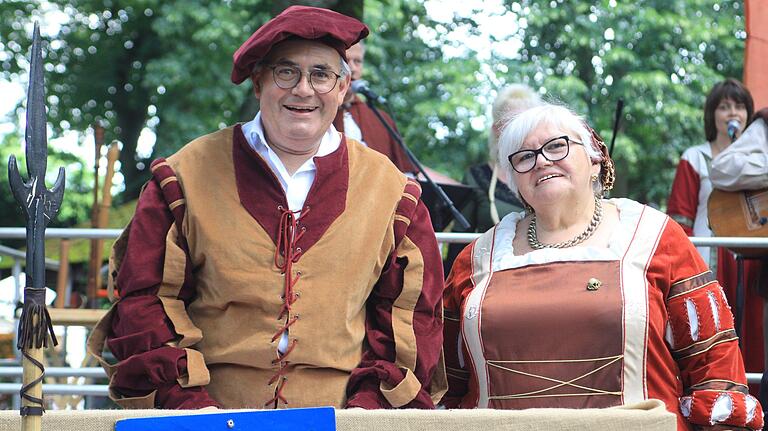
(733, 128)
(360, 86)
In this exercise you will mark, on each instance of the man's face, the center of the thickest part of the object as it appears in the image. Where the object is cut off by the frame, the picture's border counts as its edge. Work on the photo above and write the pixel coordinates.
(295, 119)
(355, 59)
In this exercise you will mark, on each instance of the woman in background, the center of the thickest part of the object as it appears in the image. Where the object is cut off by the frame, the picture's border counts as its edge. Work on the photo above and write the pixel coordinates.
(584, 302)
(492, 198)
(728, 102)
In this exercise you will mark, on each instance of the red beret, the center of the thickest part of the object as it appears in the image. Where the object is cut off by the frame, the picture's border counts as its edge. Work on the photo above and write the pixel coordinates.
(326, 26)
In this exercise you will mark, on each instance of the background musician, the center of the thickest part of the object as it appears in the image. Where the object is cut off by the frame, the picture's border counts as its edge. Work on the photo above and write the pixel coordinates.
(743, 166)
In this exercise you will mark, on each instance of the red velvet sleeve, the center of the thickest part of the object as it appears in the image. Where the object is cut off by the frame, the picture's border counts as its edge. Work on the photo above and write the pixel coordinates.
(684, 198)
(141, 335)
(457, 287)
(702, 338)
(401, 365)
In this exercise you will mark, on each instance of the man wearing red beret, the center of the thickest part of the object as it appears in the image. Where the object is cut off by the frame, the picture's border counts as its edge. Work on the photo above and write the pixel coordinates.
(276, 263)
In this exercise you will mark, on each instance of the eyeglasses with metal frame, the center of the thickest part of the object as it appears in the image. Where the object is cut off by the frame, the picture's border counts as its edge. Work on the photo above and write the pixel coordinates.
(287, 76)
(553, 150)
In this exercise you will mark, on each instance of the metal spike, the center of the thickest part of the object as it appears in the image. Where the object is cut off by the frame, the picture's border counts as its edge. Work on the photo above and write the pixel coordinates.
(36, 134)
(54, 196)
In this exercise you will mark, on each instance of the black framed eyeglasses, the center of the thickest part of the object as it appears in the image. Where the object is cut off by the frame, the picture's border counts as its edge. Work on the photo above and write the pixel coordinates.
(288, 76)
(553, 150)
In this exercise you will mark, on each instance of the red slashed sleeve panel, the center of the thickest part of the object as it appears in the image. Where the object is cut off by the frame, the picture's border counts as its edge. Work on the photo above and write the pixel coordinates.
(141, 334)
(405, 306)
(701, 336)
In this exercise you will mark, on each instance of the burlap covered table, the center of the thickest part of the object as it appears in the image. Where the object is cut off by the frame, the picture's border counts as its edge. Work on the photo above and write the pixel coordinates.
(649, 415)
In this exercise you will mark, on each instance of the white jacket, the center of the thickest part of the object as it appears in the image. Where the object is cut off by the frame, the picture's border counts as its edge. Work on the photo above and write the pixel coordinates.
(743, 165)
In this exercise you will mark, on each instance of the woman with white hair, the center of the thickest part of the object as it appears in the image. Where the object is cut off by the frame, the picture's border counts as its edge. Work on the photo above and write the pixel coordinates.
(582, 301)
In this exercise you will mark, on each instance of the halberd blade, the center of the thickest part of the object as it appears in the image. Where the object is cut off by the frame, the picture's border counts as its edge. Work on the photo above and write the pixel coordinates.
(21, 191)
(36, 134)
(54, 196)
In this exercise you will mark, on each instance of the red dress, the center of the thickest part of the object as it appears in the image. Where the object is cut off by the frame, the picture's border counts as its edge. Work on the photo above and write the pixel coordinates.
(589, 327)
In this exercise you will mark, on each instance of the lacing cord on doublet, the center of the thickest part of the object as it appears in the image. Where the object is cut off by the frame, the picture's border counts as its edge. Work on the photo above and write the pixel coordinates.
(557, 383)
(286, 254)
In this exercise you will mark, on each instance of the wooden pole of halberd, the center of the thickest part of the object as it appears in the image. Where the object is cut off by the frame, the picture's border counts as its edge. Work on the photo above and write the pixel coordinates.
(32, 372)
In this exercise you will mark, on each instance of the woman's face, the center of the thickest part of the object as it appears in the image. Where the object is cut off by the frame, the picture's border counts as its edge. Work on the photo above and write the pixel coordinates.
(552, 183)
(727, 110)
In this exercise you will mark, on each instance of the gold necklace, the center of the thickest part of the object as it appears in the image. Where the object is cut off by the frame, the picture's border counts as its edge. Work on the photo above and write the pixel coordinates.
(597, 217)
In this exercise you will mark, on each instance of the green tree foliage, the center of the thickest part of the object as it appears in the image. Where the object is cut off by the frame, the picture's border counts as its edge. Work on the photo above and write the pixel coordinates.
(132, 64)
(432, 97)
(166, 64)
(660, 56)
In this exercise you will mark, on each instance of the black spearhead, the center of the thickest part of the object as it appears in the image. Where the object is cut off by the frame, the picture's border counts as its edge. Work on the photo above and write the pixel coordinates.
(32, 195)
(40, 205)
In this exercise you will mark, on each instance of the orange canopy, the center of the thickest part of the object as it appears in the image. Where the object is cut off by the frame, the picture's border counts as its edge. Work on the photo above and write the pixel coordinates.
(756, 54)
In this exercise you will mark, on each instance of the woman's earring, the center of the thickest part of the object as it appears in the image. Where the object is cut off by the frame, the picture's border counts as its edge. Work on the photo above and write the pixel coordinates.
(594, 177)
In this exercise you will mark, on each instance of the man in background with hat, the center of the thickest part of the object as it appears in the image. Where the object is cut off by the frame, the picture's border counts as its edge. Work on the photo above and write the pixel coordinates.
(357, 121)
(276, 263)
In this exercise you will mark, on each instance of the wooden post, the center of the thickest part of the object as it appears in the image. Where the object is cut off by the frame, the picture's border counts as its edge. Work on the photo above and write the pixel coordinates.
(98, 142)
(94, 264)
(61, 279)
(106, 202)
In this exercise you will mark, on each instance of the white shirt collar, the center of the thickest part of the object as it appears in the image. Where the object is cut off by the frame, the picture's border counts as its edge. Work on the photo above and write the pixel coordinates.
(254, 134)
(296, 187)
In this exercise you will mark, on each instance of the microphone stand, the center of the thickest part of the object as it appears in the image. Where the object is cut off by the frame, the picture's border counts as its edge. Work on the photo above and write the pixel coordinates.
(457, 215)
(616, 121)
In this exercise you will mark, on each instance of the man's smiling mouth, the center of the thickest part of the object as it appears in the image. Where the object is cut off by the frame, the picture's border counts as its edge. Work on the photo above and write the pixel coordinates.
(300, 109)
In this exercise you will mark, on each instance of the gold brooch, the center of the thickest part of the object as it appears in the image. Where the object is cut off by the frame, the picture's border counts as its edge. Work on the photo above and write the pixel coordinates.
(593, 284)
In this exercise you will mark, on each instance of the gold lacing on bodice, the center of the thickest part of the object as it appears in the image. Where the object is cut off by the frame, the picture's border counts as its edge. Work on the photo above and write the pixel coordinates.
(557, 383)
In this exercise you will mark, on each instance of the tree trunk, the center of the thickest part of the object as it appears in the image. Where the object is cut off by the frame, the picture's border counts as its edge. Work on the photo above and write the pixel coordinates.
(131, 107)
(131, 123)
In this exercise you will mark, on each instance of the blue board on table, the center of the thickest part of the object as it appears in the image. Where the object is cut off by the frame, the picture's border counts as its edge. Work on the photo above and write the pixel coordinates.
(309, 419)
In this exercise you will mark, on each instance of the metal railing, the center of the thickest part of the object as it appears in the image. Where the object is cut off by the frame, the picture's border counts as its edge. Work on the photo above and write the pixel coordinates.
(69, 233)
(90, 372)
(725, 241)
(444, 237)
(102, 390)
(60, 389)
